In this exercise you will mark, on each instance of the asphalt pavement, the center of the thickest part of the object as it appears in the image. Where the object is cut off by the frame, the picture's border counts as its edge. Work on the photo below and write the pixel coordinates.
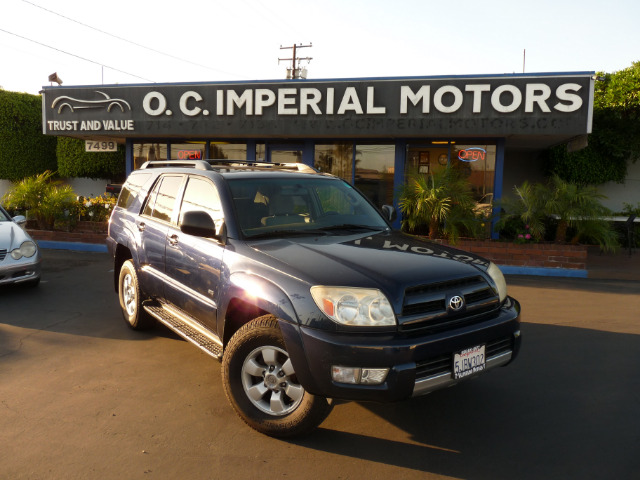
(84, 397)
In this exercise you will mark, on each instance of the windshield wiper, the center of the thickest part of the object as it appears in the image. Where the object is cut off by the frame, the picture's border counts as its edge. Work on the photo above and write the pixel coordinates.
(352, 226)
(285, 233)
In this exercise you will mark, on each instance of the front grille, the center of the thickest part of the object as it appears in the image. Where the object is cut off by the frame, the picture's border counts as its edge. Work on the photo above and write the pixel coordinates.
(3, 253)
(425, 306)
(444, 363)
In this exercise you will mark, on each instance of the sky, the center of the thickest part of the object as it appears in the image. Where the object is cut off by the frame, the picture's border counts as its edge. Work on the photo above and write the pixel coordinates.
(134, 41)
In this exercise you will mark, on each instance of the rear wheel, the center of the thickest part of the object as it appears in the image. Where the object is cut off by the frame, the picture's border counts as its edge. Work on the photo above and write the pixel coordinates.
(130, 298)
(261, 384)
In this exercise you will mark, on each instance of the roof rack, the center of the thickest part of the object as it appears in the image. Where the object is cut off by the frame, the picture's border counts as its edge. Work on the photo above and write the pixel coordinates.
(210, 163)
(197, 164)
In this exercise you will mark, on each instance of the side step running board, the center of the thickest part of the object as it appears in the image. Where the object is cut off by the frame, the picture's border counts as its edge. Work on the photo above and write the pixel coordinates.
(187, 329)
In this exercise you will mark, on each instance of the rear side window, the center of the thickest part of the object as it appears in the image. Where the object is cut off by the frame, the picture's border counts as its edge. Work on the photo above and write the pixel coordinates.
(162, 199)
(132, 188)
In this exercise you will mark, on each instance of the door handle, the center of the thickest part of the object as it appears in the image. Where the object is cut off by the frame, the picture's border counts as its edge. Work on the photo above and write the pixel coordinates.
(173, 240)
(141, 227)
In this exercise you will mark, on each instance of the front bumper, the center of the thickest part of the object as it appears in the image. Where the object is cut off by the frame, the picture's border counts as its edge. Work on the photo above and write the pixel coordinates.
(417, 364)
(20, 271)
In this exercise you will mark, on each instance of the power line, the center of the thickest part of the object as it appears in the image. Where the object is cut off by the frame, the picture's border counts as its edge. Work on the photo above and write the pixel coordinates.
(76, 56)
(126, 40)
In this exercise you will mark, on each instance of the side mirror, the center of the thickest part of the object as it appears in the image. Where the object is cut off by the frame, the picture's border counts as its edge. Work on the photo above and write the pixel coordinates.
(199, 224)
(389, 212)
(20, 220)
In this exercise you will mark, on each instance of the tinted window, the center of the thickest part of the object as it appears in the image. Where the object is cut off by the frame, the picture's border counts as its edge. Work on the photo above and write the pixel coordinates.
(130, 190)
(201, 195)
(163, 198)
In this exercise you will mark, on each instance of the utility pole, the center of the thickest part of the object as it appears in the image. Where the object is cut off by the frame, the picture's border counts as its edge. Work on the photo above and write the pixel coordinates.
(295, 71)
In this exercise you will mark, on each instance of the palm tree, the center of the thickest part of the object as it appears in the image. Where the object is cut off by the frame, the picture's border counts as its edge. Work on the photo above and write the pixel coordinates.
(572, 205)
(579, 206)
(442, 200)
(528, 206)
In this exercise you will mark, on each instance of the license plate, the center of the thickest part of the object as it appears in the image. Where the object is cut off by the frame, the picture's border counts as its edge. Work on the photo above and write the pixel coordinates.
(469, 362)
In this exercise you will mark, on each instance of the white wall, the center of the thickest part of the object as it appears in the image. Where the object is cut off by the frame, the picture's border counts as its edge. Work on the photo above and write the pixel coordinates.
(88, 187)
(620, 193)
(5, 185)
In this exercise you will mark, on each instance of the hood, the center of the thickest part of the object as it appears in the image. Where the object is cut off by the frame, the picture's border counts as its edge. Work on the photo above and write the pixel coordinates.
(11, 236)
(389, 261)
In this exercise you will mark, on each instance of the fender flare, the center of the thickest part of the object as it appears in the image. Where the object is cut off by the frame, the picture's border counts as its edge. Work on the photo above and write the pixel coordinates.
(270, 298)
(258, 291)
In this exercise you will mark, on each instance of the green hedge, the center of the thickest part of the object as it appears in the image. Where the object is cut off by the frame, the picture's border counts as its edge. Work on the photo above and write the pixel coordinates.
(24, 150)
(73, 161)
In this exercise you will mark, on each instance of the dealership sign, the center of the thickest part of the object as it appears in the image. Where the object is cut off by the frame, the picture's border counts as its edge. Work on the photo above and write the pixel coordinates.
(500, 106)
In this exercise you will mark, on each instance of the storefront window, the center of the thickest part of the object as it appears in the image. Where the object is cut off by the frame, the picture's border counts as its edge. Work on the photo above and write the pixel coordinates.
(261, 152)
(187, 151)
(478, 162)
(285, 154)
(374, 172)
(336, 159)
(144, 152)
(228, 151)
(428, 158)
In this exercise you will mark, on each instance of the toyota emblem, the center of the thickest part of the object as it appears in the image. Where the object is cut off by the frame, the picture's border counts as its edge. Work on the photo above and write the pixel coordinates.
(456, 302)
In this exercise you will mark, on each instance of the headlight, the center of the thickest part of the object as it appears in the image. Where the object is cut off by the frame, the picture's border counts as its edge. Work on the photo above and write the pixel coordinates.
(27, 249)
(354, 306)
(498, 278)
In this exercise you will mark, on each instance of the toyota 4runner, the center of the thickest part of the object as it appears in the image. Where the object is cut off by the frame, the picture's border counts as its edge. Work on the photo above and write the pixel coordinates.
(303, 290)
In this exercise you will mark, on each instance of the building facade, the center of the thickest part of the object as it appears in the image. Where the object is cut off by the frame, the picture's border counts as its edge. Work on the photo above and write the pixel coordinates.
(371, 132)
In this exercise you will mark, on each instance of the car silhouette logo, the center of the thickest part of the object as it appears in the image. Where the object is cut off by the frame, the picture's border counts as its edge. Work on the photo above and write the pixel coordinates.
(74, 104)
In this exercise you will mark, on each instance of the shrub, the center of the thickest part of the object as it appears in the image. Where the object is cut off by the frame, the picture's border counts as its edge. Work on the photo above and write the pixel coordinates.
(41, 199)
(73, 161)
(24, 151)
(94, 209)
(574, 211)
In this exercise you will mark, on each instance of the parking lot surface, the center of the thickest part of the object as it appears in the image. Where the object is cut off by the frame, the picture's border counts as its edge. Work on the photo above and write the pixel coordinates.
(84, 397)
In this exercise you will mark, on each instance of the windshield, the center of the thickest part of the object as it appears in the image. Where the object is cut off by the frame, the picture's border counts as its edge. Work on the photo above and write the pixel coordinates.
(3, 216)
(270, 207)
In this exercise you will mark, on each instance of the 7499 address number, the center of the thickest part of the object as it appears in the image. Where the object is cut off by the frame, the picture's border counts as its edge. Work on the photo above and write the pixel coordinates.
(102, 146)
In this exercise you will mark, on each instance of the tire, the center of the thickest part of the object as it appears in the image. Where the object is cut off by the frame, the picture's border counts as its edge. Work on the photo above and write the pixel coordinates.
(131, 299)
(262, 387)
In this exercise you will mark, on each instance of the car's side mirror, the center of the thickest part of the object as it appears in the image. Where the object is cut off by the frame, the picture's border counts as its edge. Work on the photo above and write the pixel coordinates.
(20, 220)
(199, 224)
(389, 212)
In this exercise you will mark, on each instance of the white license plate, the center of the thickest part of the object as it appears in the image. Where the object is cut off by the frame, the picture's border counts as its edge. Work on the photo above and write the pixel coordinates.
(469, 362)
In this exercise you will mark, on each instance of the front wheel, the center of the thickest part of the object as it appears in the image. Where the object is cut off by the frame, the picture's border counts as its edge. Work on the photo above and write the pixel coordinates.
(261, 384)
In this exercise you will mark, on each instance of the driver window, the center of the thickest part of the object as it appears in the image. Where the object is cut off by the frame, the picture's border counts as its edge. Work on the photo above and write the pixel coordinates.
(201, 195)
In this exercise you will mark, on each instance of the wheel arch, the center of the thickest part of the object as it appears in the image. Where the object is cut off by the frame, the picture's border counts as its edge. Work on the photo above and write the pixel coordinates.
(247, 297)
(250, 297)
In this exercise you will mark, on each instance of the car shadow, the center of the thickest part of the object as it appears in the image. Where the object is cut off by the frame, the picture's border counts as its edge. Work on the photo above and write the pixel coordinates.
(566, 408)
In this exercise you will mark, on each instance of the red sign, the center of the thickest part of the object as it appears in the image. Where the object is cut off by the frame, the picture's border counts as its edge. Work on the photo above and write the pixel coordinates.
(189, 154)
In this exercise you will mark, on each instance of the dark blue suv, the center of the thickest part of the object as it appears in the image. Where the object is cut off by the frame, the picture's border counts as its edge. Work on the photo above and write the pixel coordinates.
(303, 290)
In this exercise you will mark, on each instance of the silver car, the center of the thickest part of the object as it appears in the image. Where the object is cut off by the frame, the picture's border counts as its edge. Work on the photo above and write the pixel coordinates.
(20, 259)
